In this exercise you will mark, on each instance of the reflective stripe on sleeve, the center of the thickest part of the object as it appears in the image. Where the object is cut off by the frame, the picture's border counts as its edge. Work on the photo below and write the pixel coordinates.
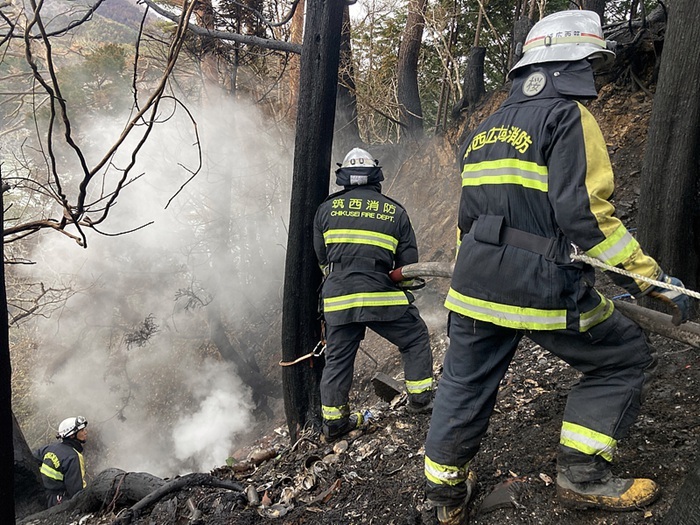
(615, 249)
(50, 472)
(363, 299)
(596, 316)
(518, 317)
(349, 236)
(445, 474)
(587, 441)
(506, 171)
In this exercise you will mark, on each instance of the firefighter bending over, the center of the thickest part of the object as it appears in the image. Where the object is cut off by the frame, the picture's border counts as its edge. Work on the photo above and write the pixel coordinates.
(62, 464)
(536, 177)
(360, 235)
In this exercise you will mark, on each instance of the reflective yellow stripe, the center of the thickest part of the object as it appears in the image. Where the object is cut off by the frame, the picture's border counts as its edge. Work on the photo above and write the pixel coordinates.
(359, 300)
(50, 472)
(82, 468)
(506, 171)
(510, 316)
(333, 413)
(616, 249)
(416, 387)
(445, 474)
(551, 40)
(587, 441)
(596, 316)
(361, 237)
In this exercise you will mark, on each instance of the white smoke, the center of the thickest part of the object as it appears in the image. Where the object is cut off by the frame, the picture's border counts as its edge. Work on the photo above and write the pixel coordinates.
(169, 403)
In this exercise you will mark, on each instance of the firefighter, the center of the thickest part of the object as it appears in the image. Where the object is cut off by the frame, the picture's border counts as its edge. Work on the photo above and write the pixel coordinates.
(536, 179)
(62, 464)
(360, 235)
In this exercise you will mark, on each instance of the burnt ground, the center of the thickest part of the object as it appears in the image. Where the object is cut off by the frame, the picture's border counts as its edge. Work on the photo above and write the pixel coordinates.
(375, 476)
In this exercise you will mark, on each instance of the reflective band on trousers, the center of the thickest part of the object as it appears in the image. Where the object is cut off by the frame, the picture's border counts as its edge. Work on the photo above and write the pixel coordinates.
(359, 300)
(445, 474)
(506, 171)
(334, 413)
(518, 317)
(361, 237)
(615, 249)
(417, 387)
(587, 441)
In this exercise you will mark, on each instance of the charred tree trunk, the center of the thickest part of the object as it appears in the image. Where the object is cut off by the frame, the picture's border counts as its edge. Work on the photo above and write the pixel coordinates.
(473, 85)
(111, 487)
(669, 204)
(7, 480)
(30, 496)
(597, 6)
(410, 110)
(521, 28)
(296, 32)
(347, 133)
(310, 181)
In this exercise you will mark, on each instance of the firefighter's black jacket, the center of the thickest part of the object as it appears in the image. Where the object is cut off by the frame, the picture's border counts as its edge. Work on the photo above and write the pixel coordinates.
(62, 467)
(536, 178)
(360, 235)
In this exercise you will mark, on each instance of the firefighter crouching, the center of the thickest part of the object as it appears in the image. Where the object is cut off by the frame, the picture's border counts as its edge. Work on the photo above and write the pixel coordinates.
(62, 464)
(536, 177)
(360, 235)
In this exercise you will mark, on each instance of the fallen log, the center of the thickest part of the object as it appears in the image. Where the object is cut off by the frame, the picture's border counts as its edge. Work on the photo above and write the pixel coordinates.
(111, 488)
(648, 319)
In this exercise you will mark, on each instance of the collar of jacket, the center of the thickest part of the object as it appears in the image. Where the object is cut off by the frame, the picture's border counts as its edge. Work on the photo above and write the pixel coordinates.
(72, 442)
(359, 176)
(562, 79)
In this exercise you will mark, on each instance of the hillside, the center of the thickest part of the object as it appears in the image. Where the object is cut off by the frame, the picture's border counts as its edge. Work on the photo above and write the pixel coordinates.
(376, 476)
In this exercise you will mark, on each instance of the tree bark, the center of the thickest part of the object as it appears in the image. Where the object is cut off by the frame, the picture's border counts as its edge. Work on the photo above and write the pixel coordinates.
(30, 496)
(669, 203)
(410, 110)
(7, 457)
(597, 6)
(310, 180)
(347, 132)
(473, 84)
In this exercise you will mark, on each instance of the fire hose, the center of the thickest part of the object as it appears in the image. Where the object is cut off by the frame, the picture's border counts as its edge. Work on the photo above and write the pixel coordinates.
(648, 319)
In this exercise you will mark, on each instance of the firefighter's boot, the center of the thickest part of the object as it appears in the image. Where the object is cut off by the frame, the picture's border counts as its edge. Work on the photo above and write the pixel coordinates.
(609, 493)
(457, 515)
(335, 429)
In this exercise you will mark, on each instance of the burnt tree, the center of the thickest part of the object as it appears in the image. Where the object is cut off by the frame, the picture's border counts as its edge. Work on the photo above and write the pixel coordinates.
(408, 96)
(310, 180)
(347, 132)
(669, 209)
(7, 458)
(669, 204)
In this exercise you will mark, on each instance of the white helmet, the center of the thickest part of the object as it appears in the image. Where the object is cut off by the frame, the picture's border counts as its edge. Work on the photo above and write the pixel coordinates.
(359, 158)
(566, 36)
(70, 426)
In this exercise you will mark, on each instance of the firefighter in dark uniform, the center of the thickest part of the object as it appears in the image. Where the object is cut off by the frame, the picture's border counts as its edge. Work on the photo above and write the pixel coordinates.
(536, 179)
(62, 464)
(360, 235)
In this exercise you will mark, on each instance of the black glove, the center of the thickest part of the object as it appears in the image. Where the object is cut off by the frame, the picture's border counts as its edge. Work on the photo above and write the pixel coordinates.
(679, 301)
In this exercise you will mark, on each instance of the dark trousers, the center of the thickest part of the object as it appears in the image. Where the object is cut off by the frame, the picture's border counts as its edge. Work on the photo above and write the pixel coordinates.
(408, 333)
(613, 358)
